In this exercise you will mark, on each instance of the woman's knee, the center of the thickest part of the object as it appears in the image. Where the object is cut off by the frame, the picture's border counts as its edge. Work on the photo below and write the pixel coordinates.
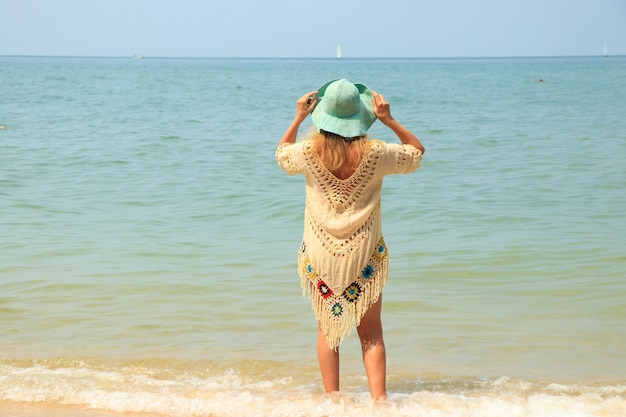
(371, 336)
(371, 330)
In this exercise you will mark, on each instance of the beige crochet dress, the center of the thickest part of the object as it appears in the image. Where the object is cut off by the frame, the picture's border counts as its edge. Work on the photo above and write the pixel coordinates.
(343, 258)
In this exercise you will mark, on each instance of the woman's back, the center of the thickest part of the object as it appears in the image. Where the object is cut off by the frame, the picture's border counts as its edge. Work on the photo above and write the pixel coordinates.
(342, 157)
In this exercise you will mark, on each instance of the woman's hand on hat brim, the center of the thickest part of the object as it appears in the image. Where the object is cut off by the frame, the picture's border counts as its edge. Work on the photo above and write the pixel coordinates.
(382, 110)
(305, 105)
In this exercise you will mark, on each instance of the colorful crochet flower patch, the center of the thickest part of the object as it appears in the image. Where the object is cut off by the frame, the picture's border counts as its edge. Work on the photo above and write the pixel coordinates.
(324, 289)
(336, 310)
(352, 292)
(368, 271)
(380, 251)
(308, 268)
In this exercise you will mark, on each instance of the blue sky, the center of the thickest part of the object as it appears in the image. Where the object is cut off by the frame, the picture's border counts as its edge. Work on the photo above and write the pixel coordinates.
(312, 28)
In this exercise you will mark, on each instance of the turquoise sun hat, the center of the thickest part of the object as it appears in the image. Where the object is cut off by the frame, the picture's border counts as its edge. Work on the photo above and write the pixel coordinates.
(344, 109)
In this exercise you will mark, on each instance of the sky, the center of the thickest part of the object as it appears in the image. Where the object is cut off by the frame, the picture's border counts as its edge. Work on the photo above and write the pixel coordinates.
(312, 28)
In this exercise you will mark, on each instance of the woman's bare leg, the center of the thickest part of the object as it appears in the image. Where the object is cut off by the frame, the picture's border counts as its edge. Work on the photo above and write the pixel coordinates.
(373, 346)
(329, 363)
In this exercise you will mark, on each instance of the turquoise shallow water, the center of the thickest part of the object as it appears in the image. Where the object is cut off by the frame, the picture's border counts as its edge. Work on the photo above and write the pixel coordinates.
(148, 239)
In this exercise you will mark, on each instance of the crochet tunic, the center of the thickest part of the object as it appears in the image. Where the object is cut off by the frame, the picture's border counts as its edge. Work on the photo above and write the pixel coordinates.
(343, 259)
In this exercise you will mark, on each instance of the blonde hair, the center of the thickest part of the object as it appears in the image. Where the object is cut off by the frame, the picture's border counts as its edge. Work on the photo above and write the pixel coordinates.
(340, 155)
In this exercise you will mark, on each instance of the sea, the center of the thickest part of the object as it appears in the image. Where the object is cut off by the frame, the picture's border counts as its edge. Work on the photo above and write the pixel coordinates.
(148, 239)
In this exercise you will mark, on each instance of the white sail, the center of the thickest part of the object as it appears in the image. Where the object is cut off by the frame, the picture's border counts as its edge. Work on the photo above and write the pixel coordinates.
(338, 52)
(606, 50)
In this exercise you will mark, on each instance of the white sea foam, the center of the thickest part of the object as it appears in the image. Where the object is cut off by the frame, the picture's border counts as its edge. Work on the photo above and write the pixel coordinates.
(233, 394)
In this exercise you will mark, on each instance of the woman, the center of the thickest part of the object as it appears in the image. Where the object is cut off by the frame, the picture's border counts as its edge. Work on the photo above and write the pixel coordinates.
(343, 258)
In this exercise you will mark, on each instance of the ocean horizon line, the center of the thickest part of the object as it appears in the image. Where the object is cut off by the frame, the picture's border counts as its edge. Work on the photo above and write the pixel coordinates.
(356, 58)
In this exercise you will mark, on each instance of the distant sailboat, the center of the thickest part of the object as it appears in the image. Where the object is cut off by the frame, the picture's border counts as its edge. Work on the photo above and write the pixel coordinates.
(605, 51)
(137, 56)
(338, 52)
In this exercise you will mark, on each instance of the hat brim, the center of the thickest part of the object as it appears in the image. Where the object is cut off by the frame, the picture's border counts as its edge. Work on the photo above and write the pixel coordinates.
(350, 127)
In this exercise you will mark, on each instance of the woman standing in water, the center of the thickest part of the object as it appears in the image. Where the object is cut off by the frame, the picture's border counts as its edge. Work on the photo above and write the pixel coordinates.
(343, 258)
